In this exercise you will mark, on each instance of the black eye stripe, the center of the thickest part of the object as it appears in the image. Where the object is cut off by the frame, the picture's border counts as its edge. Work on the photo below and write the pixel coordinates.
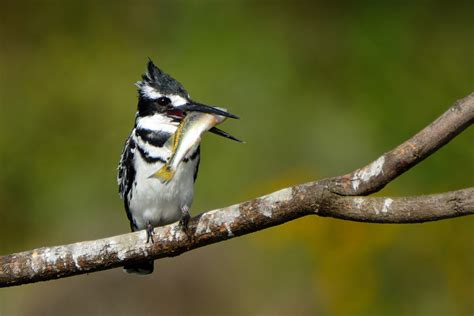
(163, 101)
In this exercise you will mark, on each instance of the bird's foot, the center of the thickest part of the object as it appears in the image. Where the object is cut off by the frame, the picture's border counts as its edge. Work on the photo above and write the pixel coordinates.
(185, 219)
(149, 233)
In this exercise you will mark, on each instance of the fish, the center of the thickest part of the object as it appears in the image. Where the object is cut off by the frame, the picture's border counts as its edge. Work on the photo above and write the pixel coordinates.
(188, 134)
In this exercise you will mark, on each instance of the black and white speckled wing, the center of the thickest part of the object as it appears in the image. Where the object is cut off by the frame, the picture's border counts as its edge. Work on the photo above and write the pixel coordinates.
(126, 175)
(126, 170)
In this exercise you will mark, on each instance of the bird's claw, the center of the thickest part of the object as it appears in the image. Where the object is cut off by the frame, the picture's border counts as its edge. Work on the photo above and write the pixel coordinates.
(185, 219)
(149, 233)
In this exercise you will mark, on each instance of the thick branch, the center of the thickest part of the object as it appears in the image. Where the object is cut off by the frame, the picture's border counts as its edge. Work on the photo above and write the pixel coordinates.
(218, 225)
(390, 165)
(329, 197)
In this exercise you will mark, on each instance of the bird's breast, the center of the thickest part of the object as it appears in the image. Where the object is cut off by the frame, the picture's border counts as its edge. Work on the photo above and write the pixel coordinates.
(157, 202)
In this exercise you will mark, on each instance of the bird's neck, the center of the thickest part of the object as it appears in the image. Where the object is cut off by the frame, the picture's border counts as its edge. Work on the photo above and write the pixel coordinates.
(157, 122)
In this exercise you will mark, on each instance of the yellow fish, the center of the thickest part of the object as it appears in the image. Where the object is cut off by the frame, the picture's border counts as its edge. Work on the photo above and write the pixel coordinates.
(188, 134)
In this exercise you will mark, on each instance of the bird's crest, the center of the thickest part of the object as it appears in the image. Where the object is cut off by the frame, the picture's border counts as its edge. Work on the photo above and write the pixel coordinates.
(160, 82)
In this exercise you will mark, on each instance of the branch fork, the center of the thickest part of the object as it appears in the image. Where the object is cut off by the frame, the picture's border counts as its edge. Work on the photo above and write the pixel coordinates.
(344, 197)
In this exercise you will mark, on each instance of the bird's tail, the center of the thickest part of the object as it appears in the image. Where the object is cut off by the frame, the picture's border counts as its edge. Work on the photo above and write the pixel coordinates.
(140, 268)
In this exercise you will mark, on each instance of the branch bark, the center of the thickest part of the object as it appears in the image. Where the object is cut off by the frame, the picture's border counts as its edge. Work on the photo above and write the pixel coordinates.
(339, 197)
(376, 175)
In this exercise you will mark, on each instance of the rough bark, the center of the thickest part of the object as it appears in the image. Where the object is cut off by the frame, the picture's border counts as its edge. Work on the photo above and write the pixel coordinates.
(339, 197)
(390, 165)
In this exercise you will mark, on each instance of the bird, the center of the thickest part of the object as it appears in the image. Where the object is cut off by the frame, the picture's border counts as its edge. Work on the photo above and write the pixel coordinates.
(162, 103)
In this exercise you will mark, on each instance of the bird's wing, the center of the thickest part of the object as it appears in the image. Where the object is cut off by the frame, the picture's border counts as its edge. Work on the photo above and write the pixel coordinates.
(126, 170)
(126, 176)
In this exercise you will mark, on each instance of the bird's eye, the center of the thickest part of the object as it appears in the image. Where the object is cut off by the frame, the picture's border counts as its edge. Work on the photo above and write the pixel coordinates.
(163, 101)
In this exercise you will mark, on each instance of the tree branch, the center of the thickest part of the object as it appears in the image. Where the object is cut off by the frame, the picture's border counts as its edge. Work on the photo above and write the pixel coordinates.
(376, 175)
(416, 209)
(333, 197)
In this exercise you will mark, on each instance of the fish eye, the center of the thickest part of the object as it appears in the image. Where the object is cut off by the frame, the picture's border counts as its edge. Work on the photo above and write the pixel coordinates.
(163, 101)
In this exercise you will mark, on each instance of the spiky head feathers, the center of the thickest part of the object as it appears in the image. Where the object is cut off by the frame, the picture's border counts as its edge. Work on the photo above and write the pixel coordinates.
(156, 82)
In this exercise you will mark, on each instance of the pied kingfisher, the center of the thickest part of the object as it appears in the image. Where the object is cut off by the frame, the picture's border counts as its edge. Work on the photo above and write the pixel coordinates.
(162, 104)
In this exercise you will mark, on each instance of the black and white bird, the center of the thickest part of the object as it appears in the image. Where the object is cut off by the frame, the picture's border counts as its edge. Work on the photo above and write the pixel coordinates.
(162, 104)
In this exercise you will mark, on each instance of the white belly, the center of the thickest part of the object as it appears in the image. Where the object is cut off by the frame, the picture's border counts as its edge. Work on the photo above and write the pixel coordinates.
(158, 203)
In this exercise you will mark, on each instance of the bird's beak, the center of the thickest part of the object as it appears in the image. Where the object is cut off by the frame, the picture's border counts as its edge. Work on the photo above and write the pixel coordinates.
(198, 107)
(220, 132)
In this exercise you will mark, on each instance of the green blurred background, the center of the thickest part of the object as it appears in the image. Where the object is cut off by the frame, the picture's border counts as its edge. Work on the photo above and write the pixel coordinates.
(321, 90)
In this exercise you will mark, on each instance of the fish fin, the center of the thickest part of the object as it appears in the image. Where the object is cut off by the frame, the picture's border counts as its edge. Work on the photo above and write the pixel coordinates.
(165, 174)
(173, 140)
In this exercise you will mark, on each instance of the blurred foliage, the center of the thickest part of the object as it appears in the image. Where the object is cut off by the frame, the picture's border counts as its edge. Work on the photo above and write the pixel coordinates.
(321, 90)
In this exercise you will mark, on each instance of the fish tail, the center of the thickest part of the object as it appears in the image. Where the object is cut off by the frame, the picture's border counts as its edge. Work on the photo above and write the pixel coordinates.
(165, 174)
